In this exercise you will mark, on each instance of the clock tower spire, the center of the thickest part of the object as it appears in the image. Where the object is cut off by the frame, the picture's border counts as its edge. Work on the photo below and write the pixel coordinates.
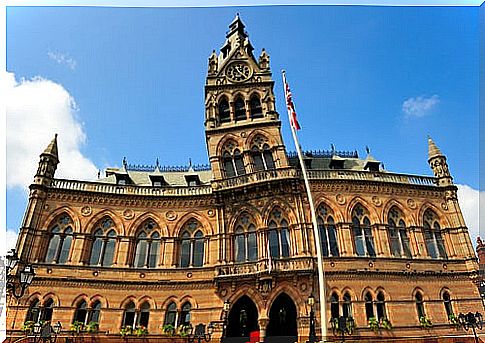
(242, 126)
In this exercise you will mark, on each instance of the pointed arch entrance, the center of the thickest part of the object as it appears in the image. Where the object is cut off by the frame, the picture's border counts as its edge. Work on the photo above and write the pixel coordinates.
(242, 319)
(282, 325)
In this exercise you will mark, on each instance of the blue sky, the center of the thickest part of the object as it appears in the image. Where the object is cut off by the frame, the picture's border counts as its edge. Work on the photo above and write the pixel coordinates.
(384, 77)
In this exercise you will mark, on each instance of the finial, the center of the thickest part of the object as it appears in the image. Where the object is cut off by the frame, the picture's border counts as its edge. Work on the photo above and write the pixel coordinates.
(433, 150)
(157, 163)
(124, 163)
(190, 162)
(99, 173)
(332, 147)
(367, 150)
(52, 148)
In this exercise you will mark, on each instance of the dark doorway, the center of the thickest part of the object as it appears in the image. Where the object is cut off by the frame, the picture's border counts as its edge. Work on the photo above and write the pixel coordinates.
(242, 320)
(282, 320)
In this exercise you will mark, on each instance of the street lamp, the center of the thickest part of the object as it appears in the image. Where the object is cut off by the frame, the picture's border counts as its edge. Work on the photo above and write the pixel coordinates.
(471, 320)
(17, 283)
(225, 311)
(46, 333)
(312, 336)
(200, 333)
(342, 326)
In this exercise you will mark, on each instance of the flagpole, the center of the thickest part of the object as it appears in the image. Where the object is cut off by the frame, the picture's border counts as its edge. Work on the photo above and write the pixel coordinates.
(316, 234)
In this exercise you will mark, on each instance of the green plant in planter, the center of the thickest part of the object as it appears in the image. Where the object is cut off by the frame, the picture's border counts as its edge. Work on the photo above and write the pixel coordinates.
(373, 324)
(184, 330)
(77, 326)
(126, 330)
(385, 324)
(168, 329)
(141, 331)
(454, 320)
(28, 327)
(425, 322)
(92, 327)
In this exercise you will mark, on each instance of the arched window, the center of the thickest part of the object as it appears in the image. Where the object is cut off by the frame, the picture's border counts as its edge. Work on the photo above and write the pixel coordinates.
(447, 303)
(398, 237)
(48, 310)
(60, 240)
(81, 313)
(245, 241)
(362, 232)
(144, 314)
(262, 155)
(192, 245)
(171, 314)
(104, 243)
(232, 160)
(334, 305)
(347, 306)
(185, 314)
(419, 305)
(278, 235)
(147, 246)
(224, 112)
(369, 305)
(255, 107)
(239, 109)
(95, 312)
(381, 306)
(33, 314)
(432, 235)
(328, 233)
(129, 315)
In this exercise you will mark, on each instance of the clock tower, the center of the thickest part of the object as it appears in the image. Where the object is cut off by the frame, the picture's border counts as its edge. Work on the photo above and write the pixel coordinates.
(241, 123)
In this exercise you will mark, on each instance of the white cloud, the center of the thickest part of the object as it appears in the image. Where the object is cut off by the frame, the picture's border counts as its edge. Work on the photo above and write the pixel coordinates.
(36, 110)
(469, 199)
(419, 106)
(62, 59)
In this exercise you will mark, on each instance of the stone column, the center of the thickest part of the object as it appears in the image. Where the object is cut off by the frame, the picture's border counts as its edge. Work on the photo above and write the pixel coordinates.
(263, 322)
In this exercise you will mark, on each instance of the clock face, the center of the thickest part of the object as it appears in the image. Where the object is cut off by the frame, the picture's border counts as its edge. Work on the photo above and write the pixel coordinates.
(238, 72)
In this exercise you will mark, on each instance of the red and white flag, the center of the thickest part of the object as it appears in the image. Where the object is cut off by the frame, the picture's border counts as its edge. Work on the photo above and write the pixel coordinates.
(291, 108)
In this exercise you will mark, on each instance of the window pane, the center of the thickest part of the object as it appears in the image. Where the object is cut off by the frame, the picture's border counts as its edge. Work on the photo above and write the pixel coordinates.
(369, 306)
(332, 237)
(224, 113)
(66, 248)
(238, 161)
(96, 252)
(347, 306)
(256, 110)
(48, 310)
(285, 243)
(53, 248)
(154, 254)
(96, 309)
(430, 244)
(229, 168)
(268, 159)
(240, 248)
(144, 317)
(405, 243)
(171, 314)
(252, 247)
(185, 253)
(323, 238)
(274, 244)
(141, 253)
(380, 306)
(358, 238)
(109, 253)
(198, 253)
(369, 242)
(334, 306)
(258, 161)
(185, 314)
(440, 244)
(239, 109)
(129, 319)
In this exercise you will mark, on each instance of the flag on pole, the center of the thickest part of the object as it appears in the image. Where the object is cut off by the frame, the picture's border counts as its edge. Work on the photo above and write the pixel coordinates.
(291, 108)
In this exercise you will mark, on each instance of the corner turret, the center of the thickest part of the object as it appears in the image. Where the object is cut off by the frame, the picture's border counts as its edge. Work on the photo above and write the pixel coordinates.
(437, 162)
(47, 164)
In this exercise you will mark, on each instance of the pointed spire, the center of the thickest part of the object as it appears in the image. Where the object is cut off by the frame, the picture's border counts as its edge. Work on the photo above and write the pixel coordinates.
(236, 26)
(52, 148)
(433, 150)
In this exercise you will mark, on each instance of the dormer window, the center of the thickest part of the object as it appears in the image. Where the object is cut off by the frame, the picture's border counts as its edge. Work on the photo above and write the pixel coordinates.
(337, 162)
(122, 179)
(158, 180)
(192, 180)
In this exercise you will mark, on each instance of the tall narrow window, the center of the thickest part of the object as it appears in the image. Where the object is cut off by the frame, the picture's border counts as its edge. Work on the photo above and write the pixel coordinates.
(334, 306)
(33, 314)
(381, 306)
(80, 315)
(192, 245)
(419, 305)
(255, 107)
(147, 246)
(95, 312)
(60, 240)
(224, 112)
(104, 244)
(447, 303)
(394, 239)
(432, 236)
(262, 158)
(232, 160)
(328, 234)
(369, 305)
(398, 237)
(229, 167)
(129, 315)
(48, 310)
(347, 306)
(278, 235)
(239, 109)
(362, 232)
(171, 314)
(245, 243)
(185, 314)
(144, 314)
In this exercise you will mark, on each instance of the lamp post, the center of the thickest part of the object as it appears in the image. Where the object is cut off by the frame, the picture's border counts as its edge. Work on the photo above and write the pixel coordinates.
(225, 311)
(312, 337)
(17, 283)
(342, 326)
(46, 332)
(200, 333)
(471, 320)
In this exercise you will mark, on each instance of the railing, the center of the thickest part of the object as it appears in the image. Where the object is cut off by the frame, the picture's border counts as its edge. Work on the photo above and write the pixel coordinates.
(325, 154)
(260, 176)
(371, 176)
(130, 190)
(251, 268)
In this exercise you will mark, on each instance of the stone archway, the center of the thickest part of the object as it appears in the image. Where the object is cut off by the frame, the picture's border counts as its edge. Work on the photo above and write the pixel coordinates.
(282, 326)
(242, 320)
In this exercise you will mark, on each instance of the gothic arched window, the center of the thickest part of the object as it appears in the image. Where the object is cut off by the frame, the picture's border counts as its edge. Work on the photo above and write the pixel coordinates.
(255, 107)
(104, 243)
(398, 236)
(262, 155)
(418, 298)
(144, 316)
(147, 246)
(347, 306)
(95, 312)
(239, 109)
(447, 303)
(232, 160)
(60, 240)
(48, 310)
(381, 306)
(245, 241)
(327, 231)
(185, 314)
(369, 305)
(362, 232)
(81, 313)
(432, 235)
(278, 235)
(171, 314)
(334, 305)
(33, 313)
(129, 315)
(224, 112)
(192, 245)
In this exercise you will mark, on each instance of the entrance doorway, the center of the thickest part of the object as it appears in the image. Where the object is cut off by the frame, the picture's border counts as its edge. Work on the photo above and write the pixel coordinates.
(282, 321)
(242, 320)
